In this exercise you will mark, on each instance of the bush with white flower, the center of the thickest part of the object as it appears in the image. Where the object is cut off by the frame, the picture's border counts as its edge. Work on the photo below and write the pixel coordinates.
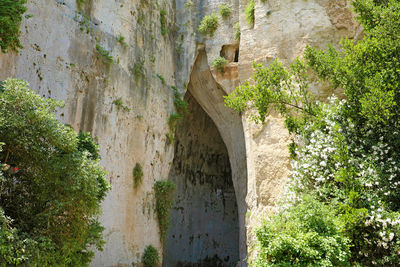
(346, 153)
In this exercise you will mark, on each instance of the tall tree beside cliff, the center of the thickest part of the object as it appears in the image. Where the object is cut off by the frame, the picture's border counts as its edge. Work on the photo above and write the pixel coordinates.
(343, 201)
(51, 184)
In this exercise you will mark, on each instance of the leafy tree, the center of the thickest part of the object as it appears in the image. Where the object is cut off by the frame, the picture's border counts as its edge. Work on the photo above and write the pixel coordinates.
(51, 185)
(349, 159)
(11, 12)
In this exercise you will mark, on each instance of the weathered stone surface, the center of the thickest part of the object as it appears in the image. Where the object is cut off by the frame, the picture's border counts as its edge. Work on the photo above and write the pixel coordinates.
(204, 220)
(60, 60)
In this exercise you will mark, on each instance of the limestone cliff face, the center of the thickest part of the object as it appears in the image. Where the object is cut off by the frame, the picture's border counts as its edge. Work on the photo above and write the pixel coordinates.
(60, 60)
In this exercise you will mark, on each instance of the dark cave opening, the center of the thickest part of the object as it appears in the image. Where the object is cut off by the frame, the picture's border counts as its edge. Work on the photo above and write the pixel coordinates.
(204, 228)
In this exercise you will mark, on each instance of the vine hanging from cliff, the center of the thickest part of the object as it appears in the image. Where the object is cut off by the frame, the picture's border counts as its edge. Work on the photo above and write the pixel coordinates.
(163, 193)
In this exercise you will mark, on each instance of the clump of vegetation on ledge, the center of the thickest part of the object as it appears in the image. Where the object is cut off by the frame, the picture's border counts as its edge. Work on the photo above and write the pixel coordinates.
(150, 257)
(137, 174)
(163, 21)
(164, 200)
(249, 12)
(342, 203)
(174, 118)
(225, 11)
(11, 12)
(236, 29)
(105, 55)
(51, 184)
(219, 63)
(209, 25)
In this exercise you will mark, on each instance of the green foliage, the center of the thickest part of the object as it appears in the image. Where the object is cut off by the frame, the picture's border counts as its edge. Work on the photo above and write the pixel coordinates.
(174, 119)
(137, 174)
(309, 234)
(276, 87)
(164, 197)
(80, 4)
(189, 4)
(163, 21)
(219, 63)
(225, 11)
(349, 157)
(87, 143)
(108, 59)
(209, 25)
(120, 105)
(51, 184)
(121, 40)
(170, 138)
(11, 12)
(162, 79)
(236, 29)
(150, 257)
(138, 69)
(249, 12)
(179, 103)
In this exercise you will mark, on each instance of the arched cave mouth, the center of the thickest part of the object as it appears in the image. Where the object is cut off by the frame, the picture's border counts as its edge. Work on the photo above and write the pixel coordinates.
(204, 228)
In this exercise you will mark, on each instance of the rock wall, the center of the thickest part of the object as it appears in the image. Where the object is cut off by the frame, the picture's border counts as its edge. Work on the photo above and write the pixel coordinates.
(126, 103)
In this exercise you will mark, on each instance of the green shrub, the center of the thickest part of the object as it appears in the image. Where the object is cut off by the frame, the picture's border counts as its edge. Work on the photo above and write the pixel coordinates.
(120, 105)
(308, 234)
(209, 25)
(236, 29)
(170, 138)
(137, 174)
(108, 59)
(179, 103)
(80, 4)
(224, 11)
(11, 12)
(164, 197)
(249, 12)
(162, 79)
(163, 21)
(219, 63)
(150, 257)
(189, 4)
(121, 40)
(173, 121)
(51, 184)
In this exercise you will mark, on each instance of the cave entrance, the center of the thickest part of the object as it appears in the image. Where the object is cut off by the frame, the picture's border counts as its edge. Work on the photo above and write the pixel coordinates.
(204, 228)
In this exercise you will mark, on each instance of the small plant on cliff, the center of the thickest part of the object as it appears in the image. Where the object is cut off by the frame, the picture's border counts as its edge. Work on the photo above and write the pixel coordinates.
(137, 174)
(162, 79)
(209, 25)
(224, 11)
(163, 21)
(179, 103)
(173, 120)
(236, 29)
(249, 12)
(80, 4)
(121, 40)
(120, 105)
(189, 4)
(164, 200)
(11, 12)
(108, 59)
(219, 63)
(150, 257)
